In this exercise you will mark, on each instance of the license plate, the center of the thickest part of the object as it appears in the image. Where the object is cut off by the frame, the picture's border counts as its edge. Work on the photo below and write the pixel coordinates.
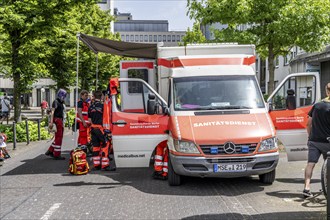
(231, 167)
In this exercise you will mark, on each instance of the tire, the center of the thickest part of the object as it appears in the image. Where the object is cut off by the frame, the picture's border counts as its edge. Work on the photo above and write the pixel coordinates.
(173, 178)
(324, 181)
(268, 178)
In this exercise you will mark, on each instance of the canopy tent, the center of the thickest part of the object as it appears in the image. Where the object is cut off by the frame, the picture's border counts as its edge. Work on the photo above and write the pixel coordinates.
(127, 49)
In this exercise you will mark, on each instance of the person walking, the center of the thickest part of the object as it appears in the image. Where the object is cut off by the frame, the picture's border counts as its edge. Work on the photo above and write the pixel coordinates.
(43, 106)
(56, 117)
(82, 119)
(318, 129)
(5, 109)
(100, 136)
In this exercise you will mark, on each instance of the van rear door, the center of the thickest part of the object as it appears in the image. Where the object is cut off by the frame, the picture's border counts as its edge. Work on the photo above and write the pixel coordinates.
(301, 90)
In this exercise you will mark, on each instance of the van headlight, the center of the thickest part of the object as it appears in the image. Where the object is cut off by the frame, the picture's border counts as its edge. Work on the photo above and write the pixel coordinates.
(185, 147)
(268, 144)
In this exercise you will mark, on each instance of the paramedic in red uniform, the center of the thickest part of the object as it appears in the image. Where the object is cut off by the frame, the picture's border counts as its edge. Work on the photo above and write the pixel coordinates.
(99, 141)
(82, 119)
(161, 161)
(56, 117)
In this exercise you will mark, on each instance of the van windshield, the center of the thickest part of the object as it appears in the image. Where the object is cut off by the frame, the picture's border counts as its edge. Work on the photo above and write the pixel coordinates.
(216, 92)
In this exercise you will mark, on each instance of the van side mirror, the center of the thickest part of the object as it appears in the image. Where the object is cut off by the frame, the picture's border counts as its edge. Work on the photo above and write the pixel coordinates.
(151, 104)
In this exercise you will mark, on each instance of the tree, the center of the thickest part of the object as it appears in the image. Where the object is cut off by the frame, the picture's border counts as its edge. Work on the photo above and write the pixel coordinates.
(24, 26)
(274, 26)
(195, 35)
(89, 19)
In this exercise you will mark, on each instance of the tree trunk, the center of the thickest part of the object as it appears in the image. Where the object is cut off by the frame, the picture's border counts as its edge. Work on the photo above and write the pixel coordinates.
(16, 76)
(271, 68)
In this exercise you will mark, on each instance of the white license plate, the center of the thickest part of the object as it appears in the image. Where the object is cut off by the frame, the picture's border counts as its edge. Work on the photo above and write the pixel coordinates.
(231, 167)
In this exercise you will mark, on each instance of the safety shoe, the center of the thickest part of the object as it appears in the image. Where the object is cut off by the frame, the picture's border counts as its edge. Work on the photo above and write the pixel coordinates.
(7, 156)
(110, 169)
(96, 168)
(49, 153)
(307, 193)
(59, 158)
(159, 176)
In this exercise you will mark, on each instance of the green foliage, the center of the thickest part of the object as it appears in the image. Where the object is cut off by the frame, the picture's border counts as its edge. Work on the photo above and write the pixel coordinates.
(38, 39)
(194, 36)
(21, 131)
(70, 116)
(87, 18)
(274, 26)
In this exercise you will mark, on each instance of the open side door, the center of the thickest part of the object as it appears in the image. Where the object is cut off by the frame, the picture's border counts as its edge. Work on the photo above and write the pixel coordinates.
(139, 123)
(289, 105)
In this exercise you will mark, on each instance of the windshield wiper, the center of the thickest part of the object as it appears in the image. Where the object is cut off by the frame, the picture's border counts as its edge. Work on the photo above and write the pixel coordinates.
(222, 107)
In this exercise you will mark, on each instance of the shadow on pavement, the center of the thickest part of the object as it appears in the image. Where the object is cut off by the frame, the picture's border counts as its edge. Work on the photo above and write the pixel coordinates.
(42, 165)
(296, 180)
(317, 201)
(270, 216)
(140, 179)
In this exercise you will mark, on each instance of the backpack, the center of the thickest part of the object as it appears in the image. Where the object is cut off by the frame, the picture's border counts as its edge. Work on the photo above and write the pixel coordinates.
(78, 164)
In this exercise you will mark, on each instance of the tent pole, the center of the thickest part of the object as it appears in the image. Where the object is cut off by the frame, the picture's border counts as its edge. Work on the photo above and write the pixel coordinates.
(75, 101)
(97, 70)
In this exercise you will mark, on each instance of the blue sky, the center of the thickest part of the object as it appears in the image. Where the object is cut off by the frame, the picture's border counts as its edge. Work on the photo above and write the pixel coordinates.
(172, 10)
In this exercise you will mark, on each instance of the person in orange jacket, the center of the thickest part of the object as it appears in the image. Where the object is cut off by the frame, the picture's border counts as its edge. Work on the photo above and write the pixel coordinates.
(82, 119)
(98, 114)
(161, 161)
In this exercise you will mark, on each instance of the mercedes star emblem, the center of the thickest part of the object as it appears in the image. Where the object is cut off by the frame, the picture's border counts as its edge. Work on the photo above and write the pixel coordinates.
(229, 148)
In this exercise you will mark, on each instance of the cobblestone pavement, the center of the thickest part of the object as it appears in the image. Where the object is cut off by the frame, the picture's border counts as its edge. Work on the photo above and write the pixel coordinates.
(36, 187)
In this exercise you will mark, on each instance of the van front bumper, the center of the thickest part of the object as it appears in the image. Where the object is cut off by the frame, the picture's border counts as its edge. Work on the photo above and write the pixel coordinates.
(206, 167)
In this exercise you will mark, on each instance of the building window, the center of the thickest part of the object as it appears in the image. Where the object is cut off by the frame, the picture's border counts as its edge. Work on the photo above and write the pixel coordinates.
(155, 38)
(164, 38)
(132, 38)
(145, 38)
(122, 37)
(141, 38)
(173, 38)
(168, 38)
(127, 37)
(136, 38)
(150, 38)
(178, 38)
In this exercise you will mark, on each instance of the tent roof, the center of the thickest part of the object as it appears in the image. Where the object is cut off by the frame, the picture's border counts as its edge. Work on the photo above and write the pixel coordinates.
(127, 49)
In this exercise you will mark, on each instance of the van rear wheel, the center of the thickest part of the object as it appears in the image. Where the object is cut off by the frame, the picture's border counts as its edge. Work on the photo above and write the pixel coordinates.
(267, 178)
(173, 178)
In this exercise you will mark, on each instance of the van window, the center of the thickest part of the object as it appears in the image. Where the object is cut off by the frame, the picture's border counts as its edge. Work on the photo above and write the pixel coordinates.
(137, 102)
(134, 87)
(216, 92)
(303, 89)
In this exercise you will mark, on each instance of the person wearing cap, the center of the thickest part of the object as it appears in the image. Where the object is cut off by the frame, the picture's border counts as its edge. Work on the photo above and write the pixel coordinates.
(318, 129)
(56, 117)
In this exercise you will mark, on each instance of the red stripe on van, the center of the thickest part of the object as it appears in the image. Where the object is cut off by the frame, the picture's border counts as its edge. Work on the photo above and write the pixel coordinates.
(126, 65)
(206, 61)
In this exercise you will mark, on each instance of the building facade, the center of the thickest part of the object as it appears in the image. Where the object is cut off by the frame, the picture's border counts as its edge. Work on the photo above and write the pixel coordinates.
(145, 31)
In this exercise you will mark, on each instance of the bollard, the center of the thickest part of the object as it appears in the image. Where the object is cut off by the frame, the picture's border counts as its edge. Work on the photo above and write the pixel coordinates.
(328, 185)
(39, 138)
(14, 135)
(27, 132)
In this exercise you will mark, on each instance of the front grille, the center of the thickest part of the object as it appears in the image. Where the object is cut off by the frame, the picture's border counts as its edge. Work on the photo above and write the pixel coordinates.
(220, 149)
(231, 160)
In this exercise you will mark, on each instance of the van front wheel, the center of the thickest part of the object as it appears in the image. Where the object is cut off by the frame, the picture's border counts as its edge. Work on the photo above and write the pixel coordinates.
(267, 178)
(173, 178)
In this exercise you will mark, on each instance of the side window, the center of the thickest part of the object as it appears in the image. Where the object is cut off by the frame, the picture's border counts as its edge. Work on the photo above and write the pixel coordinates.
(137, 102)
(301, 89)
(135, 87)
